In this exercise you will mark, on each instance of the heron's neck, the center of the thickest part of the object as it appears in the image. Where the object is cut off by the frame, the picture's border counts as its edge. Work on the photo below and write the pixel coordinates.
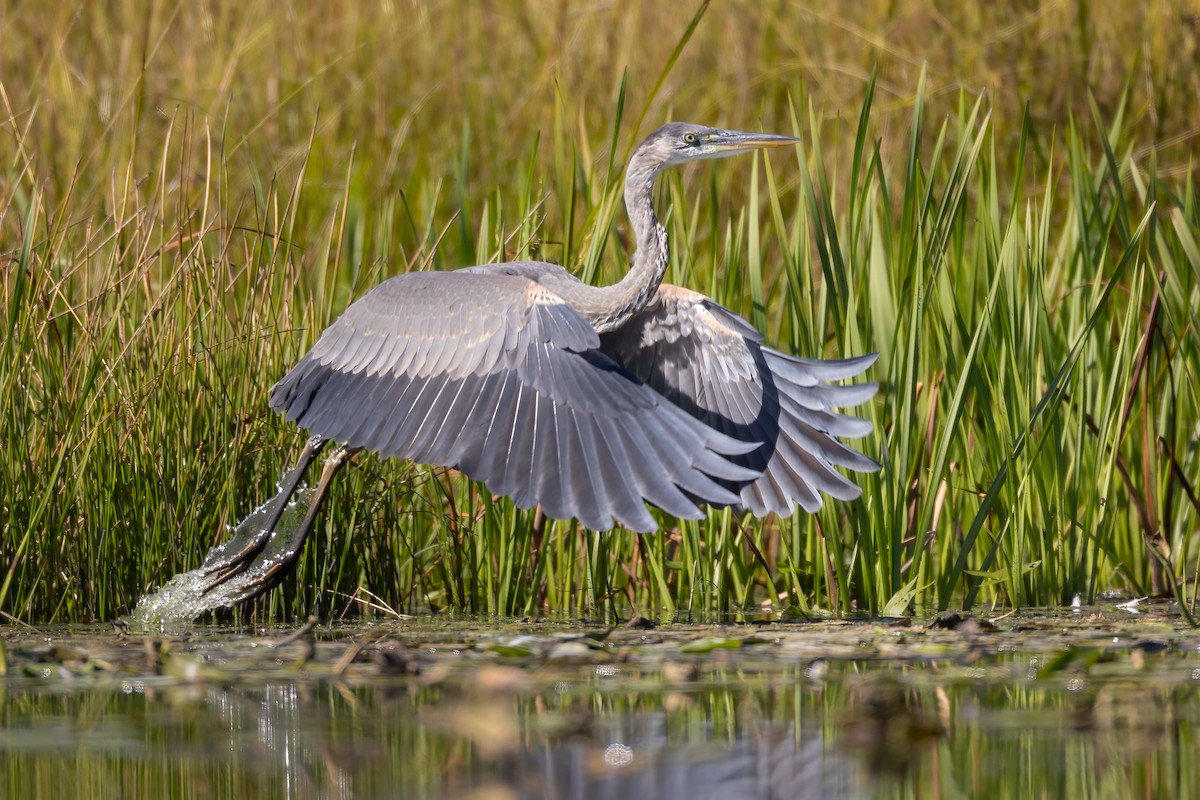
(610, 307)
(649, 262)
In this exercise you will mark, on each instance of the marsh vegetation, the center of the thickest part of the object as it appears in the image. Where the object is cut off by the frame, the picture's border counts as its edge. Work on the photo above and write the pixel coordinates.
(1001, 202)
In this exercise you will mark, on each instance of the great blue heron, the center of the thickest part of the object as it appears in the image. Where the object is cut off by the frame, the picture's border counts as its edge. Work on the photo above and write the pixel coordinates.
(588, 401)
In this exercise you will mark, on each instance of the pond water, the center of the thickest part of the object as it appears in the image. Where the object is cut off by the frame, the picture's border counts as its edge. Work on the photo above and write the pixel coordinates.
(1092, 703)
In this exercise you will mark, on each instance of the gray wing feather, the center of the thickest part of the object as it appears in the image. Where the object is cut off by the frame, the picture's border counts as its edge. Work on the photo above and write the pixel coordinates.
(619, 443)
(710, 363)
(523, 448)
(489, 372)
(583, 494)
(546, 476)
(434, 430)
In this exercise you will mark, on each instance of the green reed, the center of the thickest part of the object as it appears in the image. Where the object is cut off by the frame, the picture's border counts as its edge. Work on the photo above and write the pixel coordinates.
(177, 231)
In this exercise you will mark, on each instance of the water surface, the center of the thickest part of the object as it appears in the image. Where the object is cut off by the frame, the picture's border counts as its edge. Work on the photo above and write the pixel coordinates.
(1096, 703)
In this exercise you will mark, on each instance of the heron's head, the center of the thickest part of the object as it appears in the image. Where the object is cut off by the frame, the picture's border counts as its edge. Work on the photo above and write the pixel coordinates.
(680, 142)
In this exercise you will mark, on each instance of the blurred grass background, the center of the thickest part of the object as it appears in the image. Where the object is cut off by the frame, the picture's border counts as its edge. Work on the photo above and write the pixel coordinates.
(998, 198)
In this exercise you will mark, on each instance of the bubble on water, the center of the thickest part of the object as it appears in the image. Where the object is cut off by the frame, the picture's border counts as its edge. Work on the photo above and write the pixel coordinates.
(618, 755)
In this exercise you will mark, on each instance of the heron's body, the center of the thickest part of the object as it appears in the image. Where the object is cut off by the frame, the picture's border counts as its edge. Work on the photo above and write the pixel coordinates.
(591, 402)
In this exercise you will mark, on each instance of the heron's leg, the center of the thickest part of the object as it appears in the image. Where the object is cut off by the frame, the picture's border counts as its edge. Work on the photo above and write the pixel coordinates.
(281, 560)
(226, 564)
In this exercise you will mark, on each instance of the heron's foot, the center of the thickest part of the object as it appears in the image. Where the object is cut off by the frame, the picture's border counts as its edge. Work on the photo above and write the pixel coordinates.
(237, 556)
(248, 559)
(251, 543)
(265, 558)
(227, 566)
(269, 570)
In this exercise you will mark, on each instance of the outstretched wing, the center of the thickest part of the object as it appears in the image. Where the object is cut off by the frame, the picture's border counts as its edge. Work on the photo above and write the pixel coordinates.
(493, 374)
(711, 363)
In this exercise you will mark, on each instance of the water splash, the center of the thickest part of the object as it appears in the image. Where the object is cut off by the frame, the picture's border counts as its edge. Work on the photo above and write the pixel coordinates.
(183, 598)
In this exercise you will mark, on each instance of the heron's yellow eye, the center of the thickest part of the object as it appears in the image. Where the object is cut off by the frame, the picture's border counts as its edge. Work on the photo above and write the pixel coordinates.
(689, 137)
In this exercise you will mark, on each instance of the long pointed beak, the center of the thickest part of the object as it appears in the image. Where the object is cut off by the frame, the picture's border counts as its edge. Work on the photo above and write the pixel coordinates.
(730, 142)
